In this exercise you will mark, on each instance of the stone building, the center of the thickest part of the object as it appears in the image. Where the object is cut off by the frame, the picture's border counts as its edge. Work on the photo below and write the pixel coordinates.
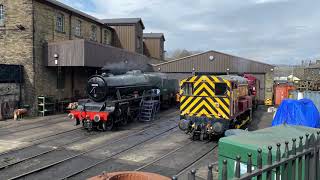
(28, 28)
(312, 72)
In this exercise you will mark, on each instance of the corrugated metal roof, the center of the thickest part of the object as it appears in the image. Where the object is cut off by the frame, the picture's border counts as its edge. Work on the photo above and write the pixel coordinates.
(153, 35)
(123, 21)
(213, 62)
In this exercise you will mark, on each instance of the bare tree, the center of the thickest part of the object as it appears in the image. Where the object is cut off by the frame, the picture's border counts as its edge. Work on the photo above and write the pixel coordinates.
(180, 53)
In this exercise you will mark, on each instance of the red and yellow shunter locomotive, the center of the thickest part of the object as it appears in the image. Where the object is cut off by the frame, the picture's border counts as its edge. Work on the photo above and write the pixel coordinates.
(210, 105)
(115, 99)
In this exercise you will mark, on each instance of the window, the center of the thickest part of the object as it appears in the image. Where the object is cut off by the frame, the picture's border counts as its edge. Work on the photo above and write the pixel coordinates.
(138, 42)
(60, 22)
(1, 15)
(77, 28)
(221, 89)
(187, 89)
(93, 33)
(107, 37)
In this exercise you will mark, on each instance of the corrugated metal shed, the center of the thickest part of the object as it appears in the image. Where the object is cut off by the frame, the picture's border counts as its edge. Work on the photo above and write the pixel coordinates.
(213, 62)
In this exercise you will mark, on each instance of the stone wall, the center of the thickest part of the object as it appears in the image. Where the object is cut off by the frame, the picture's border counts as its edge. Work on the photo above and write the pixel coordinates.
(16, 46)
(312, 74)
(45, 32)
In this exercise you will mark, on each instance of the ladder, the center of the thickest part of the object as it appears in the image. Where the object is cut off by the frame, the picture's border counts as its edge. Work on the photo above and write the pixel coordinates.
(149, 107)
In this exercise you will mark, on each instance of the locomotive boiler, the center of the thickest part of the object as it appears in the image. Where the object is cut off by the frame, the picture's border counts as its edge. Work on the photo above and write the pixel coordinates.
(115, 99)
(210, 105)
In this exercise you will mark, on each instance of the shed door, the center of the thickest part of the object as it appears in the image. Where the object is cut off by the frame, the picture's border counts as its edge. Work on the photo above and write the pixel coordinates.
(261, 94)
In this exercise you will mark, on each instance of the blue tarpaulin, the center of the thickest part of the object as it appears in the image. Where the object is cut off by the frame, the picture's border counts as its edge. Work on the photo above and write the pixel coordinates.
(297, 112)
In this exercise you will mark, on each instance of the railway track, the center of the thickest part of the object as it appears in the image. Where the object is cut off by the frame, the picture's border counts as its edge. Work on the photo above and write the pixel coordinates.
(54, 147)
(47, 138)
(33, 127)
(21, 125)
(148, 131)
(39, 140)
(118, 153)
(51, 148)
(123, 161)
(187, 168)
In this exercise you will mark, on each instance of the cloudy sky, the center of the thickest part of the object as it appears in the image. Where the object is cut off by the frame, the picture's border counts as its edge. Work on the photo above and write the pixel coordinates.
(272, 31)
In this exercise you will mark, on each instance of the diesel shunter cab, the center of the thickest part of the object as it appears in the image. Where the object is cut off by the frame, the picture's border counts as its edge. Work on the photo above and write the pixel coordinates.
(209, 105)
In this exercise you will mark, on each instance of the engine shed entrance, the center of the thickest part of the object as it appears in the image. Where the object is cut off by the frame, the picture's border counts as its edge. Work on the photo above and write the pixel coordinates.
(217, 63)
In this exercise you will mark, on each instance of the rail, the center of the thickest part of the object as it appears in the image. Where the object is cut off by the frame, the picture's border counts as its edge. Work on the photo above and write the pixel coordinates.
(301, 162)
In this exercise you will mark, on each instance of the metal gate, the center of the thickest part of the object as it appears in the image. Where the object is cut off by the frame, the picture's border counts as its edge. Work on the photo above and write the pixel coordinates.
(301, 162)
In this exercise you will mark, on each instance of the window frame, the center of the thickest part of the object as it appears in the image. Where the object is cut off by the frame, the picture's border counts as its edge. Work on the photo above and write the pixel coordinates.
(2, 15)
(60, 25)
(94, 33)
(78, 28)
(188, 89)
(106, 39)
(225, 92)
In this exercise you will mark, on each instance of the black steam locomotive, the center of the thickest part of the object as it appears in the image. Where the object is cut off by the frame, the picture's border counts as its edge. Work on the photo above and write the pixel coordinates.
(115, 99)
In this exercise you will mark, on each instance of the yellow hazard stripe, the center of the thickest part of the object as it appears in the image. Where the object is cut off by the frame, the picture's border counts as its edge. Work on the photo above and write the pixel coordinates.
(227, 101)
(182, 98)
(218, 109)
(187, 110)
(215, 79)
(198, 81)
(182, 106)
(195, 110)
(204, 112)
(193, 78)
(223, 105)
(203, 86)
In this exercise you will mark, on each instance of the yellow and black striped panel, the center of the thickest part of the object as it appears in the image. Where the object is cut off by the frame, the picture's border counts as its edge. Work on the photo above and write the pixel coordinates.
(204, 102)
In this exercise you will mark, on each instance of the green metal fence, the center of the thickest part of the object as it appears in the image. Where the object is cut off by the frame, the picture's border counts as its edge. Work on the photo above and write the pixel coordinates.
(300, 163)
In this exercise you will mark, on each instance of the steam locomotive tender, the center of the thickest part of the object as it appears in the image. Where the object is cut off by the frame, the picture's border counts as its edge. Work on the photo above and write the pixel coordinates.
(210, 105)
(115, 99)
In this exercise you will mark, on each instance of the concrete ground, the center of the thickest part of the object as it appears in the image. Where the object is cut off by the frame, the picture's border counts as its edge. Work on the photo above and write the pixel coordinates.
(53, 148)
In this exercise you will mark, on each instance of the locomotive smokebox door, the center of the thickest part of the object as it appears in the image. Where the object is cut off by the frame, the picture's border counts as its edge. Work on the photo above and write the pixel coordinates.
(97, 88)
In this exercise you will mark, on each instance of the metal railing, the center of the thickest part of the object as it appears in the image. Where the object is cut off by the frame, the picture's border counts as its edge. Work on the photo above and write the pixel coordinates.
(301, 163)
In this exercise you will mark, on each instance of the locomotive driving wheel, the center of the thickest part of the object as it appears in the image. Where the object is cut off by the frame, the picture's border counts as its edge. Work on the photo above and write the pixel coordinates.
(108, 125)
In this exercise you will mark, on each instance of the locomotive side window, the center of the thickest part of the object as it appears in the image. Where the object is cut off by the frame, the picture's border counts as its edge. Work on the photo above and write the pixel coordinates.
(188, 89)
(221, 89)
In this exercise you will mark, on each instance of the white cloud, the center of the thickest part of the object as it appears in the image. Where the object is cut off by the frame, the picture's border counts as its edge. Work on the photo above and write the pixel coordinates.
(269, 30)
(269, 1)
